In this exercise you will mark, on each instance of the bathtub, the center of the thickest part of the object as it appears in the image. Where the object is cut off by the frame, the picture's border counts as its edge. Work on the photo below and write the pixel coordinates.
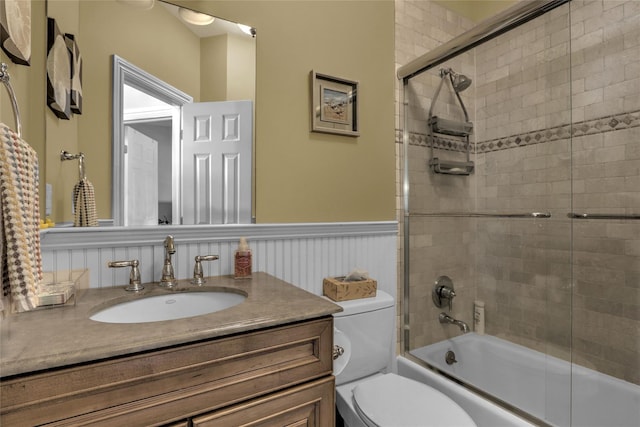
(483, 412)
(550, 389)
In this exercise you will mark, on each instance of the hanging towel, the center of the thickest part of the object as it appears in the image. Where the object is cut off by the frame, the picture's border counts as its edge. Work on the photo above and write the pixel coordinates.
(20, 258)
(84, 202)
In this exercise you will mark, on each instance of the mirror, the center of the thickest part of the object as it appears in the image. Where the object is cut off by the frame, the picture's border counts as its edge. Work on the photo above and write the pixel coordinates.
(154, 52)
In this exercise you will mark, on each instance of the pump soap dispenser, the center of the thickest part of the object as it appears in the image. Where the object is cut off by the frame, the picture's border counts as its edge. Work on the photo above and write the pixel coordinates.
(242, 260)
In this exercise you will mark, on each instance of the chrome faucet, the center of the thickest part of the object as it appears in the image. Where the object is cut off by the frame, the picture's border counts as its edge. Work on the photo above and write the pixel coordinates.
(445, 318)
(443, 292)
(168, 279)
(134, 276)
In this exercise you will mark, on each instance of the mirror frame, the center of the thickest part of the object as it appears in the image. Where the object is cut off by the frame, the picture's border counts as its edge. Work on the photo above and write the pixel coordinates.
(126, 73)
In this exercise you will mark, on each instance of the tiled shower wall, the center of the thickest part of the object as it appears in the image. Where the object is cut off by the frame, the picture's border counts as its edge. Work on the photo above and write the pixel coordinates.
(420, 27)
(557, 121)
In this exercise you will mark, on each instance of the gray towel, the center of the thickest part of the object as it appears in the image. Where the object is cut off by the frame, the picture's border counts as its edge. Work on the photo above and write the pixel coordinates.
(84, 202)
(20, 259)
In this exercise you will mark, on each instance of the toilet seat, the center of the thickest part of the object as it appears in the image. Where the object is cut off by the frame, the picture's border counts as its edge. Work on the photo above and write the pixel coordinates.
(392, 400)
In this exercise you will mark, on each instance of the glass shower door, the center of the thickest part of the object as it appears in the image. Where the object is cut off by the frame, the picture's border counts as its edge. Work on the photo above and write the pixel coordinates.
(501, 233)
(606, 212)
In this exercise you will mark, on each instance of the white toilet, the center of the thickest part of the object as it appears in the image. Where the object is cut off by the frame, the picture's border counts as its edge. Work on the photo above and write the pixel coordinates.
(368, 397)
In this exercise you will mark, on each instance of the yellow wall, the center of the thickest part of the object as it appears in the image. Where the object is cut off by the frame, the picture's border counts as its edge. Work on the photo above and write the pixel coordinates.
(303, 176)
(62, 134)
(174, 58)
(213, 62)
(241, 67)
(29, 84)
(300, 176)
(227, 67)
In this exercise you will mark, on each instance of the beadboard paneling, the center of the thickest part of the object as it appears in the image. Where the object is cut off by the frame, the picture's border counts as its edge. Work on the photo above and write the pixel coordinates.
(301, 254)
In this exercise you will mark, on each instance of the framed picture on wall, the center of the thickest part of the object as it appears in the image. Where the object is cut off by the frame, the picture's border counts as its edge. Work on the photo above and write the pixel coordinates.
(15, 30)
(334, 105)
(76, 73)
(58, 72)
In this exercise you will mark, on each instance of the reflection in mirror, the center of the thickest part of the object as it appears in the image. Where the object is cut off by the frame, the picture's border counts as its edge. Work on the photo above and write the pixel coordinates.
(176, 161)
(146, 147)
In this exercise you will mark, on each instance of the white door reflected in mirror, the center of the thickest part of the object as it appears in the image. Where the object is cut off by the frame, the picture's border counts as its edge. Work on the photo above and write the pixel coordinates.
(141, 185)
(216, 167)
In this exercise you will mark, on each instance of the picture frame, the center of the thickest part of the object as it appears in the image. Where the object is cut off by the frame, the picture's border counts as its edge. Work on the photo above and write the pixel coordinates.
(15, 30)
(58, 72)
(334, 105)
(76, 73)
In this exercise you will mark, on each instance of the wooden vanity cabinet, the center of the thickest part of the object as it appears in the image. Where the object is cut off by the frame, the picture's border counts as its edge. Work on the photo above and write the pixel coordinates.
(280, 376)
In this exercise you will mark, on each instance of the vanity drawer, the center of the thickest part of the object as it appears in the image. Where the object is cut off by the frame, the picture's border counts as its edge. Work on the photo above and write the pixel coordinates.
(172, 384)
(309, 405)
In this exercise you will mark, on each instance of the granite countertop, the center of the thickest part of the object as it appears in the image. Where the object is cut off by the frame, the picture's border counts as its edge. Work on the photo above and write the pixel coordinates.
(62, 336)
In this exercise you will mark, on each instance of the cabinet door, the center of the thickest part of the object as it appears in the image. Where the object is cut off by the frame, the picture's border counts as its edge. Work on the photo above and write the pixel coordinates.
(310, 404)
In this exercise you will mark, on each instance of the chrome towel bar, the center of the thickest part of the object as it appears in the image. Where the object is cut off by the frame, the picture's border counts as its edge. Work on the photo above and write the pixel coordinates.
(483, 215)
(576, 215)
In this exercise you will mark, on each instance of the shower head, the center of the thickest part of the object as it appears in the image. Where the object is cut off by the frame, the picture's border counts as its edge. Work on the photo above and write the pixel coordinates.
(460, 82)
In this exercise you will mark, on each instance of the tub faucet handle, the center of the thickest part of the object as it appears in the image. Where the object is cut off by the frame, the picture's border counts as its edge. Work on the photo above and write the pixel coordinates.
(198, 275)
(443, 292)
(134, 276)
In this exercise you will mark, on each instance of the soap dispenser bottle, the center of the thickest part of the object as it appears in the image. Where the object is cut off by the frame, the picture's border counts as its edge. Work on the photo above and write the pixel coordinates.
(242, 260)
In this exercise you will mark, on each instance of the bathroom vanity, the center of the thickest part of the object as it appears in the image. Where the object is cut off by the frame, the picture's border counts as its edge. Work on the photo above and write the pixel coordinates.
(266, 360)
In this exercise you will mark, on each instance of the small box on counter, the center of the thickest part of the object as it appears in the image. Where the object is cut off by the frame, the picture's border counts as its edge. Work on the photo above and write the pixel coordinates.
(61, 288)
(339, 290)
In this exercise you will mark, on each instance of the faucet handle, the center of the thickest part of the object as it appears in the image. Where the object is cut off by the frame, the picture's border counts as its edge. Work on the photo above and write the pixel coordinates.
(134, 277)
(443, 291)
(198, 275)
(448, 294)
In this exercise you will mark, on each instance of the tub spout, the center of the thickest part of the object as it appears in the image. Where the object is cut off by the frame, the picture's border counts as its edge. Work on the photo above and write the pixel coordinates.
(445, 318)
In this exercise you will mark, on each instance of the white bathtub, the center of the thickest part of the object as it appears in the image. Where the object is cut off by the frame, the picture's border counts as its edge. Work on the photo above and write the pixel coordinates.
(483, 412)
(548, 388)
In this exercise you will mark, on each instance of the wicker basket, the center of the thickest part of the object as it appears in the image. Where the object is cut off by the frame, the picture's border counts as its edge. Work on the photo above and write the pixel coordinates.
(338, 290)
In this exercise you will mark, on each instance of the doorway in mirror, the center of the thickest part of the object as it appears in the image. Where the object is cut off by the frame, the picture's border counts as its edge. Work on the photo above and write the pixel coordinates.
(176, 161)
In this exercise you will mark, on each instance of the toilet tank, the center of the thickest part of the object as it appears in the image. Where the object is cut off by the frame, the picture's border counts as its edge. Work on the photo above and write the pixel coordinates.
(368, 325)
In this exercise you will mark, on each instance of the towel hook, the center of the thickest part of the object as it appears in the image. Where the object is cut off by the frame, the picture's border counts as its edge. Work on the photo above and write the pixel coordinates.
(4, 78)
(65, 155)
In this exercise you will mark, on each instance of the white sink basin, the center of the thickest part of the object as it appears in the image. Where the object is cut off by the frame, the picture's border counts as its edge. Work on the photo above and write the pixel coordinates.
(168, 307)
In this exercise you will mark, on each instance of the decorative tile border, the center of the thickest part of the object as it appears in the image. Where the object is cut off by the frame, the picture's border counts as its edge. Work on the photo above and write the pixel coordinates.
(442, 143)
(587, 127)
(529, 138)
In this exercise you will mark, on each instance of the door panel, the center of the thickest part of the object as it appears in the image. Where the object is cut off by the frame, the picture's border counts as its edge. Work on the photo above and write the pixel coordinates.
(140, 179)
(216, 165)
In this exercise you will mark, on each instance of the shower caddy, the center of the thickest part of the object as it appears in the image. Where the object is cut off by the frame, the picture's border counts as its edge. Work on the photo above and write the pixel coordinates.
(439, 125)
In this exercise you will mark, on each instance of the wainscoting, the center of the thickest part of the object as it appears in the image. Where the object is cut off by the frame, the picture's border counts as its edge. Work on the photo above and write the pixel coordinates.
(302, 254)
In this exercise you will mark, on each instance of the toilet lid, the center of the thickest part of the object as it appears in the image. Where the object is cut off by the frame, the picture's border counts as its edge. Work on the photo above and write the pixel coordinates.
(392, 400)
